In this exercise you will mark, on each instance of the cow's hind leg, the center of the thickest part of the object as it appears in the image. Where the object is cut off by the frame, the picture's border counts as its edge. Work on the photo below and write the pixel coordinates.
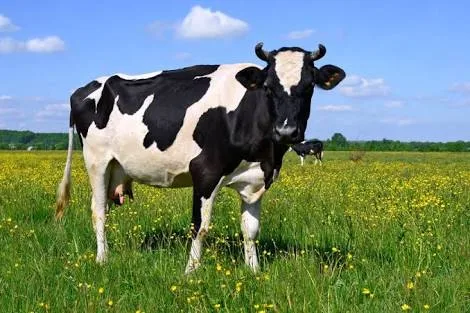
(99, 180)
(206, 186)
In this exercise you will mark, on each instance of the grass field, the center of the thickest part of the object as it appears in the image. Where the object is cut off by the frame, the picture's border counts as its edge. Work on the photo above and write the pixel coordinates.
(390, 233)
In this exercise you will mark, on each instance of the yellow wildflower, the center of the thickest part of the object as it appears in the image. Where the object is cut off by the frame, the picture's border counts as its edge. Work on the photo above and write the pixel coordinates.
(405, 307)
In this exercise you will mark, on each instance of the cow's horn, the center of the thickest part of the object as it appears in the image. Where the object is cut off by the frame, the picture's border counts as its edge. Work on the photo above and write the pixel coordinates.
(319, 53)
(260, 53)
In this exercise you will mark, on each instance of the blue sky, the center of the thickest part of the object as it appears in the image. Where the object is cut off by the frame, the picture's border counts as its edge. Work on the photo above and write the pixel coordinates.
(407, 62)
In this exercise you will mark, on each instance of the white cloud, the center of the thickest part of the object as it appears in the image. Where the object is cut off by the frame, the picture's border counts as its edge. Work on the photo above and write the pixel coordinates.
(36, 45)
(356, 86)
(335, 108)
(45, 45)
(5, 98)
(394, 104)
(398, 121)
(300, 34)
(54, 110)
(461, 87)
(205, 23)
(6, 24)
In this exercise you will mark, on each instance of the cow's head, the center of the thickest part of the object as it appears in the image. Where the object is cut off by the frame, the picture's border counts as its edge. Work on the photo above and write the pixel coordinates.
(288, 81)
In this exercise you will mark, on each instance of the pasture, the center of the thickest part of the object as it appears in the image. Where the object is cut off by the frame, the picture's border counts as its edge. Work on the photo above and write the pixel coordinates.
(390, 233)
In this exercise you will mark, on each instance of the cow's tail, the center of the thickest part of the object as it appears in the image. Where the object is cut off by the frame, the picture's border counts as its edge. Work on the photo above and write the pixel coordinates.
(63, 192)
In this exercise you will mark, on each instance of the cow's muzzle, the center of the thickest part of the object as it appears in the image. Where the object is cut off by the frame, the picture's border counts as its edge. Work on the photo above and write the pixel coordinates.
(287, 134)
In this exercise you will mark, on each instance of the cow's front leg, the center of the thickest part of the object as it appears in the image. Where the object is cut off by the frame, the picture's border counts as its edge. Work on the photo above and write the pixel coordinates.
(250, 228)
(204, 193)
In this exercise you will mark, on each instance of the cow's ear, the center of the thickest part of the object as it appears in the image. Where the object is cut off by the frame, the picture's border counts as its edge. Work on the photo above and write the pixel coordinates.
(328, 76)
(251, 77)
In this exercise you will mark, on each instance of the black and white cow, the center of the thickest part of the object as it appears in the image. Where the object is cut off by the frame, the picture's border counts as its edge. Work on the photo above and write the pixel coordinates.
(204, 126)
(310, 147)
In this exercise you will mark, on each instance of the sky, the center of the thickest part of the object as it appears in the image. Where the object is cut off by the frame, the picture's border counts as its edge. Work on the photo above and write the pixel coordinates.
(407, 62)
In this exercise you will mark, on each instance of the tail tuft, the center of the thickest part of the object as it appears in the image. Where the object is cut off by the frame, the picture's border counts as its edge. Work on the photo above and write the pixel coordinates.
(63, 197)
(63, 192)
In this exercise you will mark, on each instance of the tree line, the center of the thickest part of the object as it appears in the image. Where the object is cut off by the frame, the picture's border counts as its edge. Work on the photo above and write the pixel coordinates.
(338, 142)
(27, 140)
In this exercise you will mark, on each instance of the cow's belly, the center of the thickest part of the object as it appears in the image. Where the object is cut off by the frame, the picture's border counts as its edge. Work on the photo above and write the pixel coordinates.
(122, 140)
(168, 168)
(156, 169)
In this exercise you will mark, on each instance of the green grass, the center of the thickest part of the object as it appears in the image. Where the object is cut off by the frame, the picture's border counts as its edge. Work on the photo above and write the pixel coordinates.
(369, 236)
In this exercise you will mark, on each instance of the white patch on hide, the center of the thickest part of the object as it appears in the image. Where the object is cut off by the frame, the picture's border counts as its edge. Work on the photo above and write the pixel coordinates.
(289, 68)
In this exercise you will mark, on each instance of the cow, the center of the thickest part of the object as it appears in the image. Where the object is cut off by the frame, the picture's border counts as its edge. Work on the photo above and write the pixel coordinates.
(204, 126)
(311, 147)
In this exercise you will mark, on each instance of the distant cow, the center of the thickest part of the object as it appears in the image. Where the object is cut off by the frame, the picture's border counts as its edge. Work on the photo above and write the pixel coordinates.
(310, 147)
(205, 127)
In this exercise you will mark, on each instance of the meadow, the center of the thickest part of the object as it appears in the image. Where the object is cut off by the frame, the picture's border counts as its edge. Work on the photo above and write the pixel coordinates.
(389, 233)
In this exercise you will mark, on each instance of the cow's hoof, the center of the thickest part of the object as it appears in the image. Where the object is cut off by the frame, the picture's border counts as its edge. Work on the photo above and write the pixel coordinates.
(101, 259)
(192, 266)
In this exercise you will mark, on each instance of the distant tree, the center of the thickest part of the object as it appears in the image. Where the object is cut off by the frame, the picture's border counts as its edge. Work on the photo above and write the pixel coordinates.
(339, 141)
